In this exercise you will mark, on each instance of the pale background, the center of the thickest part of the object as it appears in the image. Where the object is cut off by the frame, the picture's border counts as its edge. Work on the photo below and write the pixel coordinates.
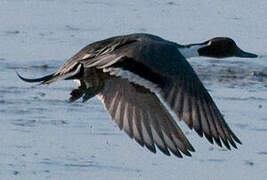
(44, 137)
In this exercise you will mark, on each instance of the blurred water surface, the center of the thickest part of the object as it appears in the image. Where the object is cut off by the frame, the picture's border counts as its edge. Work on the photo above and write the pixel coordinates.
(44, 137)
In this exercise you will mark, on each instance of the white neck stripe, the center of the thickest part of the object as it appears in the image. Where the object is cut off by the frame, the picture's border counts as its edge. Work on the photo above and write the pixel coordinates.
(191, 51)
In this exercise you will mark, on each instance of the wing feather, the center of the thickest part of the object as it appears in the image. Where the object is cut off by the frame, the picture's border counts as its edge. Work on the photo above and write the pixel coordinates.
(178, 85)
(175, 81)
(142, 116)
(159, 68)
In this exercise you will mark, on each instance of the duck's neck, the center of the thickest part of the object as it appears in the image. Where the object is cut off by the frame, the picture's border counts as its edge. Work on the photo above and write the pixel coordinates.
(191, 50)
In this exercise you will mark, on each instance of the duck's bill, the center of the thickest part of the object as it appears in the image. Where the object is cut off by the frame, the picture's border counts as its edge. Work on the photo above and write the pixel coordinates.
(244, 54)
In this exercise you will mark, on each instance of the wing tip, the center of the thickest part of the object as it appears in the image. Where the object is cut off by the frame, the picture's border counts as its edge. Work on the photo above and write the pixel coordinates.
(151, 148)
(237, 139)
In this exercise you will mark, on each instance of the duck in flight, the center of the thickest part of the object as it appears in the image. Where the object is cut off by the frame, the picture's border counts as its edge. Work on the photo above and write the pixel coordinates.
(140, 78)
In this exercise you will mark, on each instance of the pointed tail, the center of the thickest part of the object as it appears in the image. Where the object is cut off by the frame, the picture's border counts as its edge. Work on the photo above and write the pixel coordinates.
(42, 79)
(73, 74)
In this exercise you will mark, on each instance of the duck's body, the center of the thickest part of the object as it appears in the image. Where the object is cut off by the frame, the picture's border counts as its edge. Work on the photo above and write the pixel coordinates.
(131, 73)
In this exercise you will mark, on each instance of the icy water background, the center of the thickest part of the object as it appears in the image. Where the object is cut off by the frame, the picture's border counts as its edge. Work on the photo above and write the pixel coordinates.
(44, 137)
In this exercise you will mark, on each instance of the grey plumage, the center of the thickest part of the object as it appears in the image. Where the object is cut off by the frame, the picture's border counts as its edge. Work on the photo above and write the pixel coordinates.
(133, 105)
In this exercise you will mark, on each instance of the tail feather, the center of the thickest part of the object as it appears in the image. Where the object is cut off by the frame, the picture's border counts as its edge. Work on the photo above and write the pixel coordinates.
(42, 79)
(54, 76)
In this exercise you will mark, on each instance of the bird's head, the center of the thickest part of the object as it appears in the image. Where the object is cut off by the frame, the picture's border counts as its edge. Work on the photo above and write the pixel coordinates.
(222, 47)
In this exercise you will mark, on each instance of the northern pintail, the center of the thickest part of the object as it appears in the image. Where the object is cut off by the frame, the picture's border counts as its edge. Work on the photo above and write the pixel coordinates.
(140, 78)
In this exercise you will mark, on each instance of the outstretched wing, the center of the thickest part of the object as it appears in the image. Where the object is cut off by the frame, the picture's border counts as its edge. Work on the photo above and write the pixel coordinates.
(157, 65)
(173, 78)
(192, 103)
(142, 116)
